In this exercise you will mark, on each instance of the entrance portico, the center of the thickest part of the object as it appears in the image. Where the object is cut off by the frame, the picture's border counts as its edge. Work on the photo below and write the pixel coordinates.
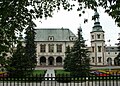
(50, 61)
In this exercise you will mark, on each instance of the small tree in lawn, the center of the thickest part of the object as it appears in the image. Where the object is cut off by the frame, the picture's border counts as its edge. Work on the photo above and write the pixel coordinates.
(80, 58)
(30, 48)
(67, 60)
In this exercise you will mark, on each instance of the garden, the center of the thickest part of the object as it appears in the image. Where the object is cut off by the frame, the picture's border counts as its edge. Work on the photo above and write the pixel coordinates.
(102, 74)
(96, 72)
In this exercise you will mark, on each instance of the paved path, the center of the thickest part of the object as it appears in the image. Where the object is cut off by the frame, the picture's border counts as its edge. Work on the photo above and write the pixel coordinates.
(50, 73)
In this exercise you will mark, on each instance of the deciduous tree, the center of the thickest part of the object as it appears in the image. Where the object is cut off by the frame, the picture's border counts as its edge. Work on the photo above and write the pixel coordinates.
(15, 15)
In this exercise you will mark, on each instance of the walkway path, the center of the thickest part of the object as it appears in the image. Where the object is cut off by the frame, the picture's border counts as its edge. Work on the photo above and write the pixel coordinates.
(50, 73)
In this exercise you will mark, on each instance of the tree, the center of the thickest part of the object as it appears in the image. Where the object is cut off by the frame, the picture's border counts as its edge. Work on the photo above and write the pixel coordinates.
(112, 7)
(17, 62)
(23, 60)
(15, 15)
(67, 60)
(80, 59)
(30, 47)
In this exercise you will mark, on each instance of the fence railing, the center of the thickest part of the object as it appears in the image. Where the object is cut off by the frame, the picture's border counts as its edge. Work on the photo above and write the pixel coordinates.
(61, 80)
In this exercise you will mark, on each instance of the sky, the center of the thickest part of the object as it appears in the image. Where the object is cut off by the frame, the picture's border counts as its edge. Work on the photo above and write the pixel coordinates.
(72, 21)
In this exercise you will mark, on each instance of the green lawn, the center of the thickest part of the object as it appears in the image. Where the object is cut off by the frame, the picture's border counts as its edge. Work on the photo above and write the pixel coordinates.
(61, 72)
(39, 72)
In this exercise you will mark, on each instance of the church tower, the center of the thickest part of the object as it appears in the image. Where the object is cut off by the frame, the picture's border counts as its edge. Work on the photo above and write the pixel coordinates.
(97, 42)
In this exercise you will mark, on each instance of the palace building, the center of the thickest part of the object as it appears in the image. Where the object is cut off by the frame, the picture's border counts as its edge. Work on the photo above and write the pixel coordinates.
(52, 42)
(51, 45)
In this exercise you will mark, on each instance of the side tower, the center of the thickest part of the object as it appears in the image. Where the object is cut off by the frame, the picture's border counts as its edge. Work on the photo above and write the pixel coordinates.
(97, 42)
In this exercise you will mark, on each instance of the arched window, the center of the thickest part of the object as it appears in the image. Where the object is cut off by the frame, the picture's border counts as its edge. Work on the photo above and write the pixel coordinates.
(109, 61)
(42, 60)
(59, 60)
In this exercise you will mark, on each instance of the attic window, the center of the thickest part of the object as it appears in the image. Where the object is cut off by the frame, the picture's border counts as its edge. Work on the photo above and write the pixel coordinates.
(50, 38)
(72, 38)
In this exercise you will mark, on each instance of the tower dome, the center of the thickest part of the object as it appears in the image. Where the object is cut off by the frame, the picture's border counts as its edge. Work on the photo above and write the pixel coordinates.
(97, 26)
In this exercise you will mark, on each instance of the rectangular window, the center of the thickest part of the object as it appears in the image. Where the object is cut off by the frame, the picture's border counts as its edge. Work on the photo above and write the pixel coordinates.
(98, 36)
(92, 49)
(51, 47)
(99, 59)
(103, 36)
(42, 47)
(93, 59)
(99, 48)
(92, 36)
(59, 48)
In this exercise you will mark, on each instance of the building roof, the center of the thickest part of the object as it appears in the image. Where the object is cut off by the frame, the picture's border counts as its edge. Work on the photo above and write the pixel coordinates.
(43, 34)
(97, 27)
(111, 49)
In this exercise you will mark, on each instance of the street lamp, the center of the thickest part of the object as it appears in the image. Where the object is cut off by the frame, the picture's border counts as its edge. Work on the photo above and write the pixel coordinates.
(119, 48)
(118, 44)
(109, 59)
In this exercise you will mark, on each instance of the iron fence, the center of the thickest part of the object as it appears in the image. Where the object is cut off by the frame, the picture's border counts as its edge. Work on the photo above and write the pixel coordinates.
(61, 80)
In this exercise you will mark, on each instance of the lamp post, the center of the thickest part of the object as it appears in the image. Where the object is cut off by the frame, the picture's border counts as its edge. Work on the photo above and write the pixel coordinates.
(117, 60)
(109, 59)
(118, 48)
(118, 40)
